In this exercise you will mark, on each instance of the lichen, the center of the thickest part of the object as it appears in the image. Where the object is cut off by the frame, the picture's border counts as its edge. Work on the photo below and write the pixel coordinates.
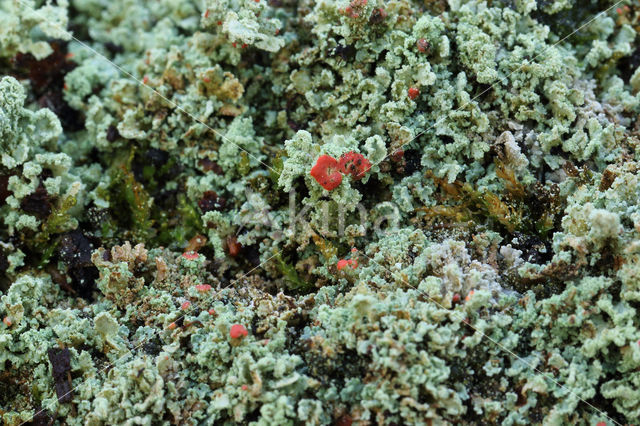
(321, 212)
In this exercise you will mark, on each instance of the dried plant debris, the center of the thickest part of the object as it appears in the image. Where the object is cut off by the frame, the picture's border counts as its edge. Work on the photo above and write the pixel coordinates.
(348, 212)
(60, 359)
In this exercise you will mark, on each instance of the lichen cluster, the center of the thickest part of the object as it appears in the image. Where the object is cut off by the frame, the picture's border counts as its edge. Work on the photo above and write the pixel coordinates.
(319, 212)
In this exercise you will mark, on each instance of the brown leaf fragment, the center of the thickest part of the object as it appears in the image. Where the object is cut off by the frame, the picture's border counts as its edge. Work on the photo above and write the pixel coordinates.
(60, 359)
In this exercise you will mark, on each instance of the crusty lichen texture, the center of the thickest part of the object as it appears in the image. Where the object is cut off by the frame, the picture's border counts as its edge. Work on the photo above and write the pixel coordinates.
(168, 257)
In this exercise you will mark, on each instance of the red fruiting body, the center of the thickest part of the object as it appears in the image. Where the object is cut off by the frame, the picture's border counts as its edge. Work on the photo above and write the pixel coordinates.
(342, 263)
(7, 321)
(354, 8)
(413, 93)
(455, 298)
(190, 255)
(212, 311)
(244, 387)
(326, 172)
(145, 79)
(206, 14)
(203, 287)
(238, 331)
(219, 22)
(422, 45)
(244, 45)
(172, 326)
(185, 305)
(601, 424)
(354, 164)
(469, 296)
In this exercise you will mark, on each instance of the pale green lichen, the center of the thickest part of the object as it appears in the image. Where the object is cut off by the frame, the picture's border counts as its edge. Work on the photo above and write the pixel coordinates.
(245, 22)
(496, 236)
(28, 26)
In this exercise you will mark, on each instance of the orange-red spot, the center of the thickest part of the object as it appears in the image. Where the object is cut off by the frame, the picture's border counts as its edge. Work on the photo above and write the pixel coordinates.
(202, 288)
(238, 331)
(206, 13)
(212, 311)
(354, 164)
(185, 306)
(7, 321)
(244, 387)
(326, 172)
(172, 326)
(342, 263)
(190, 255)
(413, 93)
(422, 45)
(469, 296)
